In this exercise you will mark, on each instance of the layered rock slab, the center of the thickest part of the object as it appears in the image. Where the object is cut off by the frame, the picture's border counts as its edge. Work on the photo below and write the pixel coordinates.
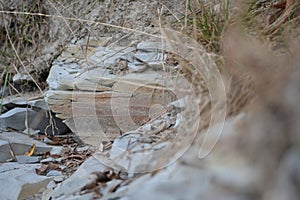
(111, 90)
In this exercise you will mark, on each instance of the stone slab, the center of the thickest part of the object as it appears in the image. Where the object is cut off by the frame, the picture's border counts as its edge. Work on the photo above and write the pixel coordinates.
(20, 181)
(19, 144)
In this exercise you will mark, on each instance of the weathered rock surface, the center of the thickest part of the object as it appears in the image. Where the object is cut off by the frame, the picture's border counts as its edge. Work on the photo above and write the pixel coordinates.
(194, 178)
(19, 144)
(23, 159)
(21, 113)
(188, 178)
(20, 181)
(75, 183)
(110, 90)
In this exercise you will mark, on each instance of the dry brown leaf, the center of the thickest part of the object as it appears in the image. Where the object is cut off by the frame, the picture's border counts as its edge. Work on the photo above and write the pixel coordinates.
(30, 151)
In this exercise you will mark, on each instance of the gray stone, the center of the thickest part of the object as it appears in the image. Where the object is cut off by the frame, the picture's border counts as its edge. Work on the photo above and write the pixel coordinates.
(39, 104)
(20, 181)
(176, 182)
(152, 46)
(78, 180)
(31, 132)
(37, 120)
(15, 118)
(46, 160)
(73, 77)
(154, 60)
(87, 196)
(51, 185)
(23, 159)
(13, 101)
(123, 153)
(137, 67)
(54, 173)
(47, 140)
(5, 151)
(19, 144)
(107, 56)
(82, 149)
(58, 150)
(58, 160)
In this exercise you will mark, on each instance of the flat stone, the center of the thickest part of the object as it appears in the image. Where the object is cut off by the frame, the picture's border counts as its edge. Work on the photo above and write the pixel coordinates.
(177, 182)
(31, 132)
(72, 77)
(152, 46)
(130, 161)
(78, 180)
(47, 140)
(23, 159)
(5, 151)
(54, 173)
(20, 180)
(37, 120)
(58, 150)
(104, 115)
(15, 118)
(82, 149)
(12, 102)
(39, 103)
(51, 185)
(19, 144)
(107, 56)
(46, 160)
(154, 60)
(137, 67)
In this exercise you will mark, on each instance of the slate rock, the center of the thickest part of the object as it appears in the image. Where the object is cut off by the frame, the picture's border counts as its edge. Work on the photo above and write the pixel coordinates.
(20, 180)
(107, 56)
(71, 76)
(206, 178)
(152, 46)
(23, 159)
(54, 173)
(11, 102)
(19, 144)
(78, 179)
(39, 104)
(37, 120)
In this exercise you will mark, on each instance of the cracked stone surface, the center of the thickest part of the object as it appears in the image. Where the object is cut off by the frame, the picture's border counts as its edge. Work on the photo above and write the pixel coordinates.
(20, 180)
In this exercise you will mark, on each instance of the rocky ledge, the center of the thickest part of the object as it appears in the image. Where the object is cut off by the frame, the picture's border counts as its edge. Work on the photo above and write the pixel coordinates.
(103, 91)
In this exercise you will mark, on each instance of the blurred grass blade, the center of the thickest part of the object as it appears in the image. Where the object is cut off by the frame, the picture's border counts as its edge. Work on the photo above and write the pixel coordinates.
(3, 90)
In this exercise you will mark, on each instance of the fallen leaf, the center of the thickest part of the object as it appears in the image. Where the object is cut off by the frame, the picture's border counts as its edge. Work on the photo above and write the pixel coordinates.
(30, 151)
